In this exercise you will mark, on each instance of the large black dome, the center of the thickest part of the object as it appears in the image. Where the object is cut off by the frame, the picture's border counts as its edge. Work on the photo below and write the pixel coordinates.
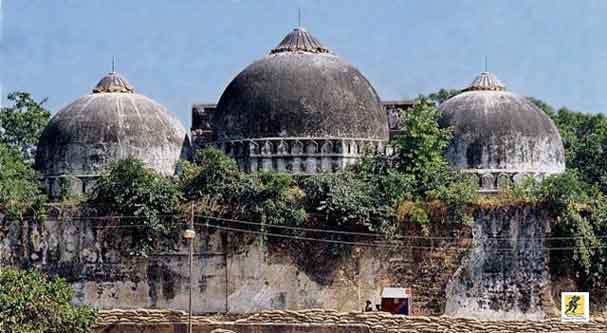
(300, 90)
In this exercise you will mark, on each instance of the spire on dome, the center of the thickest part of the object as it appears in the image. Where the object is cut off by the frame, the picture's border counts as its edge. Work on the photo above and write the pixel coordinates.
(486, 81)
(300, 40)
(113, 83)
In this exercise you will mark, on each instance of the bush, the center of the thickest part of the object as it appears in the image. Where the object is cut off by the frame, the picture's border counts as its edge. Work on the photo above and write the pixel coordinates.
(581, 213)
(146, 199)
(29, 302)
(277, 199)
(20, 191)
(212, 174)
(265, 197)
(345, 201)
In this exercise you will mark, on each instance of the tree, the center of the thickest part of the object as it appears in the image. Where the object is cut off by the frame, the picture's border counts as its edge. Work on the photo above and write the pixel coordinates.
(146, 199)
(345, 201)
(213, 173)
(585, 140)
(30, 302)
(442, 95)
(420, 146)
(19, 185)
(215, 181)
(22, 123)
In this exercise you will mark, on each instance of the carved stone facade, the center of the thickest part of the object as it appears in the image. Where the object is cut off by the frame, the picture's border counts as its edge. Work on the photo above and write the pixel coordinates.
(297, 155)
(491, 181)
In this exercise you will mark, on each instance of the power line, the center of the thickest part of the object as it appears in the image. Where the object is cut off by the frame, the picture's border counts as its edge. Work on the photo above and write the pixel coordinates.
(389, 244)
(304, 229)
(351, 233)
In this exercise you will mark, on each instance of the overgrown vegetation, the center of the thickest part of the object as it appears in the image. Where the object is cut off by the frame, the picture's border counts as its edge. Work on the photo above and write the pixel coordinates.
(221, 190)
(20, 192)
(30, 302)
(21, 123)
(144, 200)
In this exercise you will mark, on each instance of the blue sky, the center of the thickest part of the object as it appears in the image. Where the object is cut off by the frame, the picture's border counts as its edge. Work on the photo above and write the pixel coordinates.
(183, 51)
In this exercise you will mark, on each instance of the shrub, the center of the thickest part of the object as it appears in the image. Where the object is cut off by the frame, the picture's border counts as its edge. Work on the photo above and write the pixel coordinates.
(19, 185)
(345, 200)
(147, 199)
(268, 197)
(30, 302)
(581, 213)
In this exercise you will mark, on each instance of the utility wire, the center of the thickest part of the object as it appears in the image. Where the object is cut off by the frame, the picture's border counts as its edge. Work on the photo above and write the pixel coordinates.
(305, 229)
(389, 244)
(376, 234)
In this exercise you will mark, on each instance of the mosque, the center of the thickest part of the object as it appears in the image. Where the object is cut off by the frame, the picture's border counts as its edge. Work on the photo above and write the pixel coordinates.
(300, 109)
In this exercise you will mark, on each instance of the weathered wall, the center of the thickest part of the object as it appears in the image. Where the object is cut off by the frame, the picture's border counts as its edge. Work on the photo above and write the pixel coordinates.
(505, 274)
(326, 321)
(239, 274)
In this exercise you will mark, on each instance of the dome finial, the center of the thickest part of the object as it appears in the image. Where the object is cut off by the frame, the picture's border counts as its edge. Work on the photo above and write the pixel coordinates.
(113, 64)
(486, 81)
(113, 83)
(299, 40)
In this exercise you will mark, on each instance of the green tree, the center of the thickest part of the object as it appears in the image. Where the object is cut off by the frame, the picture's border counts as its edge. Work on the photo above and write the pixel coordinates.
(277, 199)
(585, 141)
(215, 180)
(443, 95)
(419, 148)
(30, 302)
(214, 174)
(146, 199)
(581, 212)
(19, 185)
(345, 200)
(22, 122)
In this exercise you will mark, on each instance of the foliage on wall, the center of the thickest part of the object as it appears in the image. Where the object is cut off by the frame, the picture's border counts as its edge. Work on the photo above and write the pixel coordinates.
(30, 302)
(143, 198)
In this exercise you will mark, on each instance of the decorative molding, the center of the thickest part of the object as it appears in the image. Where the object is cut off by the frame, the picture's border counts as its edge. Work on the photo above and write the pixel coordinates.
(297, 154)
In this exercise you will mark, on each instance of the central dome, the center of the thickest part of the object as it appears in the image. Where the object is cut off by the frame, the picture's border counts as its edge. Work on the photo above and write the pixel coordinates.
(300, 89)
(300, 109)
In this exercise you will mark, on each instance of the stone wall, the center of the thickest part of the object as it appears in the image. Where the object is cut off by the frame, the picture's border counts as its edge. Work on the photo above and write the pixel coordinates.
(506, 272)
(237, 273)
(321, 321)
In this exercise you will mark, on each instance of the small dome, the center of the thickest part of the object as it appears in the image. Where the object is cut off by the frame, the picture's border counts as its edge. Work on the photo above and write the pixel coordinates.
(300, 89)
(112, 123)
(497, 131)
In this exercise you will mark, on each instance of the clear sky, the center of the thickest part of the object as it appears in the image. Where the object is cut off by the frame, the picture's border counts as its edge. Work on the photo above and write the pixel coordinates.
(180, 52)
